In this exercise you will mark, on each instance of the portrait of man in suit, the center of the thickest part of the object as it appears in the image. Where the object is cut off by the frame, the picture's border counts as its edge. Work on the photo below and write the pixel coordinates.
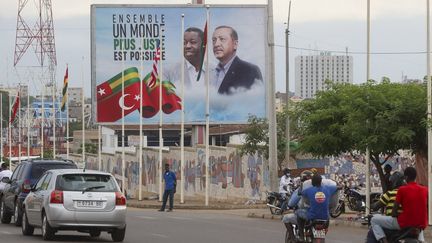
(192, 41)
(233, 75)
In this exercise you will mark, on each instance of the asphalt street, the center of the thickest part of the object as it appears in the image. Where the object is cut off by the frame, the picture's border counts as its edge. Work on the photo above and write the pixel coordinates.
(190, 226)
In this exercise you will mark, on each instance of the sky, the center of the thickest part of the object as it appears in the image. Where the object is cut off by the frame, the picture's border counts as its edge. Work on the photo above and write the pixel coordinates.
(397, 27)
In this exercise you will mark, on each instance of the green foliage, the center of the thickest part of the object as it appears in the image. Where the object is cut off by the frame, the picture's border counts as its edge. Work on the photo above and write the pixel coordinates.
(89, 148)
(48, 154)
(385, 117)
(74, 126)
(257, 139)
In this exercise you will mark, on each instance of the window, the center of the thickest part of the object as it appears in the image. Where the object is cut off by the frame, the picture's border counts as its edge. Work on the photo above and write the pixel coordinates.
(40, 182)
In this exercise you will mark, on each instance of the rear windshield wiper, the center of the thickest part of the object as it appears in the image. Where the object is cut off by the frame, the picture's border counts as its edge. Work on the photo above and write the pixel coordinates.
(91, 188)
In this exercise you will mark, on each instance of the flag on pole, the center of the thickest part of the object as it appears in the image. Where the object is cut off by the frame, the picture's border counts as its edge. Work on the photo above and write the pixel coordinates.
(15, 108)
(203, 52)
(64, 91)
(151, 80)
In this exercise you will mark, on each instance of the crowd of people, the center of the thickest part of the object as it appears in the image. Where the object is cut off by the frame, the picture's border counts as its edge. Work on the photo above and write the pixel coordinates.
(404, 202)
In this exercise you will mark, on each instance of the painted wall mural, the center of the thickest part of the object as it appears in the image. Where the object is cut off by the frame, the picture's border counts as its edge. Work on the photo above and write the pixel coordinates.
(231, 175)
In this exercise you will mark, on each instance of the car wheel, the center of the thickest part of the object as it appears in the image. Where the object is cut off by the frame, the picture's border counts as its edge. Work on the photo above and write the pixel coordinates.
(95, 233)
(118, 235)
(5, 215)
(47, 231)
(26, 228)
(17, 214)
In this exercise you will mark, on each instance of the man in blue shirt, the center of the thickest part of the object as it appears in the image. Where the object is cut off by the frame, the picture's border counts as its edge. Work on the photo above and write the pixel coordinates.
(170, 188)
(318, 197)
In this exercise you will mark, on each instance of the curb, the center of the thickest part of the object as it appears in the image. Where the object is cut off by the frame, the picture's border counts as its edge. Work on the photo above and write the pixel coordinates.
(194, 207)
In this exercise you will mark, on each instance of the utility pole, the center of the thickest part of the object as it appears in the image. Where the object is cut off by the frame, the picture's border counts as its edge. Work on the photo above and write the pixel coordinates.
(287, 122)
(273, 167)
(429, 110)
(367, 79)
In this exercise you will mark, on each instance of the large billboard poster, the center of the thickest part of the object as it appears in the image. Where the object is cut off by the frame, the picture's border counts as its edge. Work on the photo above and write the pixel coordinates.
(138, 43)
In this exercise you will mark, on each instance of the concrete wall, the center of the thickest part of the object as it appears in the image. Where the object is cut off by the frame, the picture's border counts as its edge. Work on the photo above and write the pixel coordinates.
(231, 176)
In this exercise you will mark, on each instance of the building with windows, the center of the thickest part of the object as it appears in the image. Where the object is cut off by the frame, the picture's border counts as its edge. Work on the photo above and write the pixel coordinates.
(312, 72)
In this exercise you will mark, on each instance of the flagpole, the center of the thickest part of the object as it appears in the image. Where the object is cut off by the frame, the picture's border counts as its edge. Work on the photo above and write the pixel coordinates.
(160, 116)
(18, 99)
(10, 132)
(99, 148)
(67, 116)
(207, 116)
(42, 122)
(182, 179)
(140, 128)
(28, 119)
(83, 115)
(123, 131)
(53, 117)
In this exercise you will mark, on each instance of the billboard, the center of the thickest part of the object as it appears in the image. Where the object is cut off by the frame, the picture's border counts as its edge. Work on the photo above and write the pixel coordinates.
(134, 44)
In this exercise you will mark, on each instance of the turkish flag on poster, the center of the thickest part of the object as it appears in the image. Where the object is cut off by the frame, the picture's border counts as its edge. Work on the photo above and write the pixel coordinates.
(109, 109)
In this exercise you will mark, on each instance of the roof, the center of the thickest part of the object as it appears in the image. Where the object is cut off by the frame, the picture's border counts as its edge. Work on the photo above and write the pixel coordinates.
(77, 171)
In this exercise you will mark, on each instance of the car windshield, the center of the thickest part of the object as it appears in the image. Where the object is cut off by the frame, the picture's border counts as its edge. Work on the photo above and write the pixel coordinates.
(38, 169)
(86, 182)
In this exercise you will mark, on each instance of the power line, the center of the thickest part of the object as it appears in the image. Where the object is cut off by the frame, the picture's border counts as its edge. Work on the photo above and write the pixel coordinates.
(356, 52)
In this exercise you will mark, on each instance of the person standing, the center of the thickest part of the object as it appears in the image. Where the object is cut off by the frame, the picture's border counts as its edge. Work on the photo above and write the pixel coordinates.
(387, 183)
(170, 189)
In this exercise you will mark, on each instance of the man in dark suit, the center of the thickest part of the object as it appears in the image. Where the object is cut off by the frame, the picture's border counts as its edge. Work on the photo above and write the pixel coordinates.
(232, 74)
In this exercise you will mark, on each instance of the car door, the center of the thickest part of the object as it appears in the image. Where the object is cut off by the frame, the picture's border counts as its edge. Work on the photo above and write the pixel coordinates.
(9, 191)
(34, 201)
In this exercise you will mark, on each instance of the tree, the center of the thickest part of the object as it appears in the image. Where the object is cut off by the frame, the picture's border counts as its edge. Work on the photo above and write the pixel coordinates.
(257, 139)
(384, 117)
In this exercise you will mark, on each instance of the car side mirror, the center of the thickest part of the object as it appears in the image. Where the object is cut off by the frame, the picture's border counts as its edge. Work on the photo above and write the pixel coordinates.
(5, 180)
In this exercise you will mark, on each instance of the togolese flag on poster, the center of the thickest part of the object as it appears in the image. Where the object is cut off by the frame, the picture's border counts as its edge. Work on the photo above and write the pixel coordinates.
(111, 100)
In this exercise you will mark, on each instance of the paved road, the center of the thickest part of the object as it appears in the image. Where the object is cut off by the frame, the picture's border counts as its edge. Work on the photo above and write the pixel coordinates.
(148, 225)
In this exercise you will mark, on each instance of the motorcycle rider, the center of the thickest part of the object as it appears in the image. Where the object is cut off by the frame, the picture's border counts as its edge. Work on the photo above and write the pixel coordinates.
(413, 199)
(386, 201)
(318, 196)
(284, 187)
(291, 219)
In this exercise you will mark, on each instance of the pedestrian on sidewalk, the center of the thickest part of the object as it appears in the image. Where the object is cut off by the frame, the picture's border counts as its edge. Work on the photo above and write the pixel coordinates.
(170, 188)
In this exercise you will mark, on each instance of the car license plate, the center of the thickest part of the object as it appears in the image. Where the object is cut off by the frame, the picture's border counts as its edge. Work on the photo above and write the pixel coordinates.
(89, 204)
(319, 234)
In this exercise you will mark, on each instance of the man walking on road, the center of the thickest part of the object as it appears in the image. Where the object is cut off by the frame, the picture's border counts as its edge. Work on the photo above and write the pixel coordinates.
(170, 189)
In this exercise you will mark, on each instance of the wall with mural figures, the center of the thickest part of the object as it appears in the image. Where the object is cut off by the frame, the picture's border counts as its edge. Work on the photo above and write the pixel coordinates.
(231, 176)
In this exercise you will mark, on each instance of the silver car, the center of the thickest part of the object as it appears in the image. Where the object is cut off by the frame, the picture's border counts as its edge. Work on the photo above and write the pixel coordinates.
(70, 199)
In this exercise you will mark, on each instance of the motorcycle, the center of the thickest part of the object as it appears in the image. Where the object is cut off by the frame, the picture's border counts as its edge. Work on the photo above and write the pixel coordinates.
(354, 199)
(274, 202)
(406, 235)
(315, 231)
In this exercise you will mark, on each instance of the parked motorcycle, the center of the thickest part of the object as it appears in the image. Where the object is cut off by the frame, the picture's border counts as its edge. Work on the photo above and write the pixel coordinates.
(354, 199)
(274, 202)
(314, 231)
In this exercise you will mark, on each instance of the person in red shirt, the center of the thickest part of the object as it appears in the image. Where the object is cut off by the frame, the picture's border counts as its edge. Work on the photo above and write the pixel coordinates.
(412, 197)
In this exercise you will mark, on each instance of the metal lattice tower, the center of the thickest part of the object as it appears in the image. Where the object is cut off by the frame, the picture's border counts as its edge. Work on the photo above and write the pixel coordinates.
(40, 37)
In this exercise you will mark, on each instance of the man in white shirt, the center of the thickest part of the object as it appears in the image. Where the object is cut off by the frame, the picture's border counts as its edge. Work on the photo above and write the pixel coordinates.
(5, 172)
(284, 187)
